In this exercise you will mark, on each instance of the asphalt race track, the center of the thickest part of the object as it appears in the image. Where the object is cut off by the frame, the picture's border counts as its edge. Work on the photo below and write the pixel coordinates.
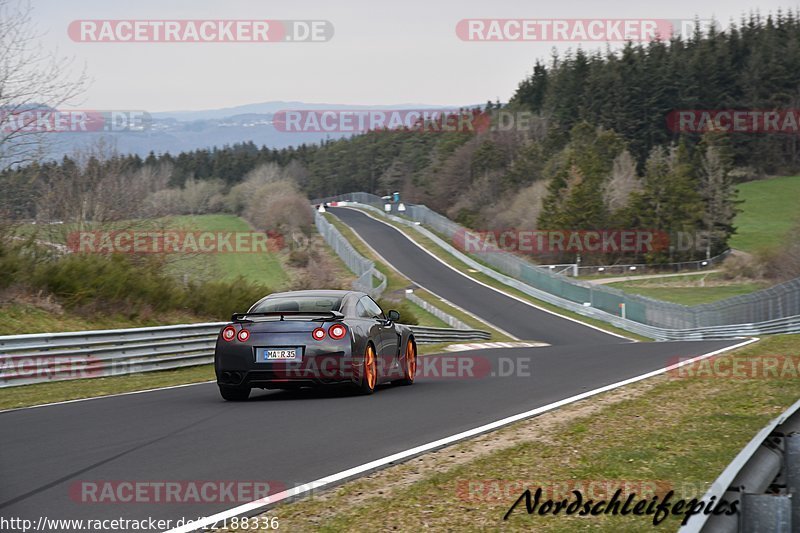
(191, 434)
(515, 317)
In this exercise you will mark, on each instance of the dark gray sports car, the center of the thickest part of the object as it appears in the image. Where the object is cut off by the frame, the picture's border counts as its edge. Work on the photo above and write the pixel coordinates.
(305, 338)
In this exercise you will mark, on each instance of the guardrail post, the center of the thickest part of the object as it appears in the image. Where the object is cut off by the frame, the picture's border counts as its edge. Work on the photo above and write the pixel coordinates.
(791, 457)
(766, 512)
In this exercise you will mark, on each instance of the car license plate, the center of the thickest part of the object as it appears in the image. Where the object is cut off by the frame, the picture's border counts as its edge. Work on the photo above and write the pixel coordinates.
(279, 354)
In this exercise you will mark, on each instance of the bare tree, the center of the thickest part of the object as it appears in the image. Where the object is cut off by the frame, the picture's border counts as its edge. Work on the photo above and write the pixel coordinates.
(94, 186)
(521, 210)
(279, 206)
(89, 187)
(718, 193)
(199, 195)
(623, 182)
(30, 78)
(241, 194)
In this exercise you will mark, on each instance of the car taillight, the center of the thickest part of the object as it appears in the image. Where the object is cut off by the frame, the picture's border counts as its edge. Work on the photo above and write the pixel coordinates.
(318, 334)
(243, 335)
(337, 331)
(229, 333)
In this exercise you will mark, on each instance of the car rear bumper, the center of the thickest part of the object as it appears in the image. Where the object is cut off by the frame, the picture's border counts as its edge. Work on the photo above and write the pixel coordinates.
(314, 369)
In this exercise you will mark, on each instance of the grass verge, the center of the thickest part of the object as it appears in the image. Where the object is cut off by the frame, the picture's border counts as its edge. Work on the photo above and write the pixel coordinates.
(265, 268)
(21, 318)
(691, 289)
(768, 211)
(669, 432)
(60, 391)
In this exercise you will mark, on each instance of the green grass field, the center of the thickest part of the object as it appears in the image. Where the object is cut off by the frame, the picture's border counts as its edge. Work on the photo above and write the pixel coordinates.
(692, 289)
(18, 318)
(26, 314)
(769, 209)
(265, 268)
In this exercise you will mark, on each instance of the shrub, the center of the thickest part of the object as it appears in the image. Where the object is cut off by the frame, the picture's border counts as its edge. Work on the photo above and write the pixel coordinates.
(15, 260)
(407, 316)
(79, 279)
(220, 299)
(298, 258)
(132, 286)
(741, 265)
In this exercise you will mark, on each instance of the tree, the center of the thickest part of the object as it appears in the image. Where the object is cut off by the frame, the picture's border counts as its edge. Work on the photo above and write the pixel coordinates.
(718, 197)
(30, 79)
(623, 183)
(669, 201)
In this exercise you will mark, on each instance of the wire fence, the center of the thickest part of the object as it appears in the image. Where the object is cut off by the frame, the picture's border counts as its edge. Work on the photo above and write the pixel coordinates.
(644, 268)
(767, 305)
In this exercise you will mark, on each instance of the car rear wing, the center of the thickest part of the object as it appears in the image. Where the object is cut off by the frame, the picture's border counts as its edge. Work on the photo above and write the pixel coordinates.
(314, 315)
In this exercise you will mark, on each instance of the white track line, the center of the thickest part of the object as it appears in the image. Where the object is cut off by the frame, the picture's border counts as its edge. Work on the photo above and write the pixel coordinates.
(329, 481)
(454, 269)
(490, 345)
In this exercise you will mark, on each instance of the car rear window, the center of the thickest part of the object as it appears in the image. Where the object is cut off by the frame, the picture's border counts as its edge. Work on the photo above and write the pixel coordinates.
(299, 303)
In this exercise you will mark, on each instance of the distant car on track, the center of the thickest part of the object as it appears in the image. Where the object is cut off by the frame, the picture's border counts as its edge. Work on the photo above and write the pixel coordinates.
(316, 337)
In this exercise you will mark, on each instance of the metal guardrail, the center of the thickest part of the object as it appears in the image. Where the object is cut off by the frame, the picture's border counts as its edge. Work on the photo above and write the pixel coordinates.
(764, 478)
(357, 263)
(45, 357)
(426, 335)
(575, 269)
(644, 316)
(38, 358)
(699, 266)
(447, 318)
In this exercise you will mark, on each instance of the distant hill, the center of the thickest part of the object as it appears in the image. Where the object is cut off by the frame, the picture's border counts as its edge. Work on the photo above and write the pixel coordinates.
(181, 131)
(269, 108)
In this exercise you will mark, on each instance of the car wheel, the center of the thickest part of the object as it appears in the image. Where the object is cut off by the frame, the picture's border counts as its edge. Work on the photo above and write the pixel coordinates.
(369, 370)
(410, 368)
(234, 394)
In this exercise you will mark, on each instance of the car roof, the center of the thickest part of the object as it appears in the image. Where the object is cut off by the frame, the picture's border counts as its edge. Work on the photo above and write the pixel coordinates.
(316, 292)
(342, 294)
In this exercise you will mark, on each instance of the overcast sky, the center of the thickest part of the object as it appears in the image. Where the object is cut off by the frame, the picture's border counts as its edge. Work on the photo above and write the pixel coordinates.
(382, 52)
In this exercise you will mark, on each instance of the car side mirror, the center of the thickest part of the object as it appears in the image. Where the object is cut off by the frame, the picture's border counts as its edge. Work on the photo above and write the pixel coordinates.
(393, 316)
